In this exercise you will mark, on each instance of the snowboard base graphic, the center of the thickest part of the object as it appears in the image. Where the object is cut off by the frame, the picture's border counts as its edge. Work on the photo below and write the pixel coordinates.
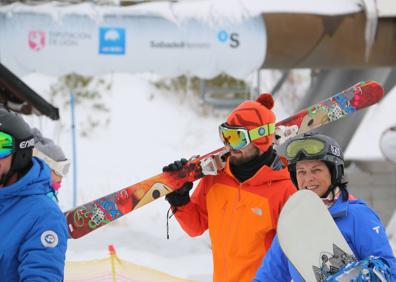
(310, 238)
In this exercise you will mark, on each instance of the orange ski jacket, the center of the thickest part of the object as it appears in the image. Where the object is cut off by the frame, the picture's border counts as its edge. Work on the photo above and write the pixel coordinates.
(241, 218)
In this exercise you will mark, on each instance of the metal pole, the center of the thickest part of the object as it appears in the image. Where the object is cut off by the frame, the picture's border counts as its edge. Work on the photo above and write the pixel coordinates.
(258, 91)
(202, 89)
(74, 148)
(255, 88)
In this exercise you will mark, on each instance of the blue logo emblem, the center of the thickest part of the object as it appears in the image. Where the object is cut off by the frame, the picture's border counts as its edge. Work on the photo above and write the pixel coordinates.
(232, 38)
(261, 131)
(222, 36)
(111, 41)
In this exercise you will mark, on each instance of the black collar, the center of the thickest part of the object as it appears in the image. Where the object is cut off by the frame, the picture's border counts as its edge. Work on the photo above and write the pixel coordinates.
(246, 170)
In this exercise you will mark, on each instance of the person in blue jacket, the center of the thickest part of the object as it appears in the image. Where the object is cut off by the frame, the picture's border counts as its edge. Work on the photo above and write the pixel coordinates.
(316, 163)
(33, 230)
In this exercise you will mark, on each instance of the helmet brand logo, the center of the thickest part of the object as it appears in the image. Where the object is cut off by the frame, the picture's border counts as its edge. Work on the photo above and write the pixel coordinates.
(335, 150)
(26, 144)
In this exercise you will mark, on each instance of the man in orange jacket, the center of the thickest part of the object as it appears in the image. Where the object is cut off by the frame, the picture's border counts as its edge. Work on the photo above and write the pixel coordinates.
(240, 206)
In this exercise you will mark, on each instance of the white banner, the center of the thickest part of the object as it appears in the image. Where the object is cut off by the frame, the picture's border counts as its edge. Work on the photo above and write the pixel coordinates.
(46, 43)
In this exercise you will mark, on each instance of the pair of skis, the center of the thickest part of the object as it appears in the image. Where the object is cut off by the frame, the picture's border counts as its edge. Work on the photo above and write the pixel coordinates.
(90, 216)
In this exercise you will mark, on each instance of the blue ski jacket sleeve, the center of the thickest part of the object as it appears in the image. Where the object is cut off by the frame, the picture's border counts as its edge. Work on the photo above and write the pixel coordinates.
(33, 230)
(359, 225)
(42, 254)
(366, 236)
(275, 265)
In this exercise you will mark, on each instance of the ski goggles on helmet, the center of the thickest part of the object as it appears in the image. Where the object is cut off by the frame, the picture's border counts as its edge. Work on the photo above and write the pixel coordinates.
(310, 147)
(61, 168)
(6, 145)
(239, 137)
(9, 144)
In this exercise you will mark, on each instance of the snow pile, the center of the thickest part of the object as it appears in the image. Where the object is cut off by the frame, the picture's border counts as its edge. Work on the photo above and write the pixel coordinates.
(209, 11)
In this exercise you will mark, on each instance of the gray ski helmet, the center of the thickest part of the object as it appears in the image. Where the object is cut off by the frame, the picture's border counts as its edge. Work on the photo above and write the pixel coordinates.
(315, 146)
(14, 125)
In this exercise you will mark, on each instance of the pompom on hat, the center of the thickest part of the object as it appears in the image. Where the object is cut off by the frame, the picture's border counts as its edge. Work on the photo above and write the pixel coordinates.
(252, 114)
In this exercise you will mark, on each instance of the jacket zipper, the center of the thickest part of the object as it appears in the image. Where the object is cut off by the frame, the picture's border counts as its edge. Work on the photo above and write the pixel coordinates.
(231, 228)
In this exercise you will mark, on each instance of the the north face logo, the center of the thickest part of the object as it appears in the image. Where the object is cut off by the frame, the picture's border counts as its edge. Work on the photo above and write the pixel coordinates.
(257, 211)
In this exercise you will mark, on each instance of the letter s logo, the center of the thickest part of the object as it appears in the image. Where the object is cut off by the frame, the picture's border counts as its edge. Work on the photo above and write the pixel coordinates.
(234, 40)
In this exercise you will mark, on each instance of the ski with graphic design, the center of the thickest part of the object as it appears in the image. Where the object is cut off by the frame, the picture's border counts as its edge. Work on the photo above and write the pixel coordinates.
(311, 240)
(90, 216)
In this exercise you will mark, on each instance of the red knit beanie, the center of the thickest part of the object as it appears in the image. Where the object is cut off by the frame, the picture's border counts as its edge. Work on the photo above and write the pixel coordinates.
(252, 114)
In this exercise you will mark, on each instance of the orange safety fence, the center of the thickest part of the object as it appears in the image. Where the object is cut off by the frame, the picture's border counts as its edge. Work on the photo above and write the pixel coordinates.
(114, 269)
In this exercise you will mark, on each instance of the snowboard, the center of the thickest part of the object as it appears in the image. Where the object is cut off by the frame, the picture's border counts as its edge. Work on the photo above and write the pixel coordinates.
(311, 240)
(88, 217)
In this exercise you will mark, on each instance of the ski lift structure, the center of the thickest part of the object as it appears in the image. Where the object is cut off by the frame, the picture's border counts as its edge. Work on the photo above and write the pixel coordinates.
(230, 97)
(18, 97)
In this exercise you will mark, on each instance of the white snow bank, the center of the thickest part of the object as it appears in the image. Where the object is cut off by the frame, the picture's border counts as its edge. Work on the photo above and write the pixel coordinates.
(208, 10)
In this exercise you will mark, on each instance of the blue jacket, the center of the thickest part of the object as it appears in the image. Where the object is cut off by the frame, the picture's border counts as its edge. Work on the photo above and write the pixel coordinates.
(359, 225)
(33, 230)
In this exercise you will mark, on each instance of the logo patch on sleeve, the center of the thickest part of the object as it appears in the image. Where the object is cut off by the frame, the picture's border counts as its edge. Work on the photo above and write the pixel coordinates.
(49, 239)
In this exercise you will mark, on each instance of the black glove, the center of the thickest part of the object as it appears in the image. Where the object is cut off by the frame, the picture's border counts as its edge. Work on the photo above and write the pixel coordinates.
(181, 196)
(175, 166)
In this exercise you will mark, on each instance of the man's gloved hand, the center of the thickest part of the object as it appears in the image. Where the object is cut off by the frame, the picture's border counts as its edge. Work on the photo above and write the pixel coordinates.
(175, 166)
(181, 196)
